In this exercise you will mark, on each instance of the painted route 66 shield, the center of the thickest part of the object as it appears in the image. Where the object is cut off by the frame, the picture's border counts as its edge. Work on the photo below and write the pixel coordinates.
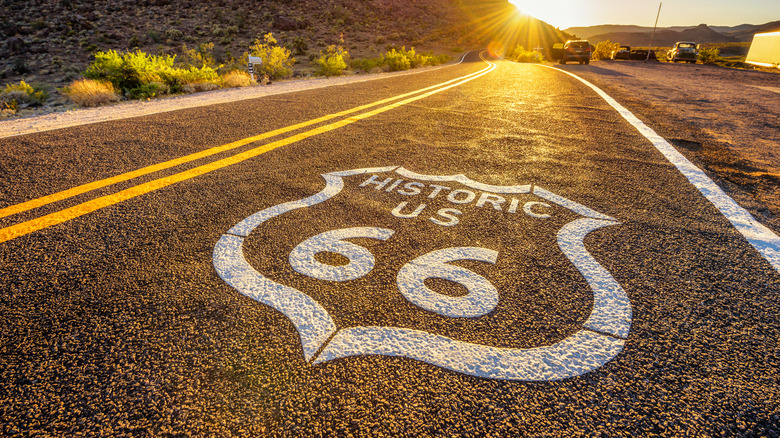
(491, 281)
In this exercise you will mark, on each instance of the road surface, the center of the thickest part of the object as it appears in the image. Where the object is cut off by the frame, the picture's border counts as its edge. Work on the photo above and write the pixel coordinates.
(486, 249)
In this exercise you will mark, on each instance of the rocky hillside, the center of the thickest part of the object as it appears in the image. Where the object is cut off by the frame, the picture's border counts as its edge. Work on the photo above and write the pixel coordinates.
(52, 41)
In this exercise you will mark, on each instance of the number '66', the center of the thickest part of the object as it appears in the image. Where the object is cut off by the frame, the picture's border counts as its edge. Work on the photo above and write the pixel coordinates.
(482, 296)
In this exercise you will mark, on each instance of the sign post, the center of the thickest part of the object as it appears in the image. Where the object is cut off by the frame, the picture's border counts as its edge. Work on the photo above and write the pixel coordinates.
(251, 63)
(653, 37)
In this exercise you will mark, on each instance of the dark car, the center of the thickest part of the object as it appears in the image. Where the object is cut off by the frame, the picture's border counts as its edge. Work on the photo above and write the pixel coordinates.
(623, 52)
(641, 55)
(576, 50)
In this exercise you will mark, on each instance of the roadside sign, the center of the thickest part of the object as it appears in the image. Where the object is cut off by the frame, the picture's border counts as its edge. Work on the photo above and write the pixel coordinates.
(251, 62)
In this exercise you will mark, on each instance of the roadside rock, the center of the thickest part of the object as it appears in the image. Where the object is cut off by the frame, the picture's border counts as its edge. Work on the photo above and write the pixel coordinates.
(284, 23)
(14, 45)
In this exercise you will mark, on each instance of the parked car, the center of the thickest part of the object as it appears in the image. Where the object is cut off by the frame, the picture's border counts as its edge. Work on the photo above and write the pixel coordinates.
(623, 52)
(556, 51)
(683, 51)
(576, 50)
(641, 55)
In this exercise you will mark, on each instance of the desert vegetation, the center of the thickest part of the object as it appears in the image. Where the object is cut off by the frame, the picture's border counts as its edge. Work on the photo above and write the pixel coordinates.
(332, 61)
(196, 46)
(89, 92)
(398, 59)
(19, 95)
(604, 50)
(277, 62)
(520, 54)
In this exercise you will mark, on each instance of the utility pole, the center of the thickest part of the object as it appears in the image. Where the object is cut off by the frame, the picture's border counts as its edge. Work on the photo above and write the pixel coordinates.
(653, 37)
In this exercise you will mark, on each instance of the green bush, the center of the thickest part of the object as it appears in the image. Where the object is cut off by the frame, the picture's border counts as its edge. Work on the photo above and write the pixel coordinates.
(397, 60)
(604, 49)
(134, 73)
(276, 60)
(130, 70)
(709, 56)
(22, 93)
(368, 64)
(148, 91)
(520, 54)
(300, 46)
(197, 75)
(174, 34)
(332, 61)
(199, 56)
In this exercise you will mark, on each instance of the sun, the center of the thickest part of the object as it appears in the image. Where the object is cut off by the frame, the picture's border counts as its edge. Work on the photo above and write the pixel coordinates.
(559, 13)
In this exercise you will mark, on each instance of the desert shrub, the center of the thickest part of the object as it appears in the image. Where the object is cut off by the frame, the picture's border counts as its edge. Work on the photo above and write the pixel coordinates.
(300, 46)
(520, 54)
(197, 87)
(134, 72)
(196, 75)
(332, 61)
(148, 91)
(709, 56)
(88, 92)
(604, 49)
(401, 59)
(236, 79)
(368, 64)
(397, 60)
(174, 34)
(276, 59)
(439, 59)
(129, 70)
(153, 36)
(22, 93)
(7, 108)
(202, 55)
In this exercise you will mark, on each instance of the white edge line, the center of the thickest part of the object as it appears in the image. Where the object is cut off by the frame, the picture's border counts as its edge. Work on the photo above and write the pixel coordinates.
(172, 100)
(762, 238)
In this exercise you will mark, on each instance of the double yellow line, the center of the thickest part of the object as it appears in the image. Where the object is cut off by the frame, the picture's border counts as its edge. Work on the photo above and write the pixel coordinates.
(66, 214)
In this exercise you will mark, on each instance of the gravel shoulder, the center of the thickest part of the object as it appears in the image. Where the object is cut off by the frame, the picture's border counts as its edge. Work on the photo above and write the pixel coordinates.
(724, 120)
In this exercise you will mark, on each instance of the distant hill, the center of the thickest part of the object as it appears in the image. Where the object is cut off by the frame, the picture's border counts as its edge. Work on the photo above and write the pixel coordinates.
(590, 31)
(667, 36)
(747, 34)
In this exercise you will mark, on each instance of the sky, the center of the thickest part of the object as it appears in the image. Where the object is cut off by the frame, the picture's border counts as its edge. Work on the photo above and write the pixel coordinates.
(571, 13)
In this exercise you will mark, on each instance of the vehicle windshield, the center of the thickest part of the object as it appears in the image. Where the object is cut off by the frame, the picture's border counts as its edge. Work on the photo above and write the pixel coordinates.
(687, 46)
(579, 44)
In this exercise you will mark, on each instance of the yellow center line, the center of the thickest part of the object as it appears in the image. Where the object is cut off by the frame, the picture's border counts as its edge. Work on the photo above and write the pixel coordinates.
(67, 214)
(84, 188)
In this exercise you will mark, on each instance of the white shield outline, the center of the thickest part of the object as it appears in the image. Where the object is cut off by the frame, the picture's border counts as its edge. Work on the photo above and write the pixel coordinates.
(601, 338)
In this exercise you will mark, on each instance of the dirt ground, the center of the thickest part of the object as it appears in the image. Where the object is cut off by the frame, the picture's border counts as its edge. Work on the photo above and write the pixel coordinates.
(727, 121)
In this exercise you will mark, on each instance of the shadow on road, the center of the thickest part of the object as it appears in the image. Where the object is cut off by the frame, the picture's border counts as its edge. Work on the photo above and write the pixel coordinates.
(591, 69)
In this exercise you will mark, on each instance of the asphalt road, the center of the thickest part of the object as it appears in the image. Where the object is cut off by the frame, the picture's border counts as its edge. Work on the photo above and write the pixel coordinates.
(570, 282)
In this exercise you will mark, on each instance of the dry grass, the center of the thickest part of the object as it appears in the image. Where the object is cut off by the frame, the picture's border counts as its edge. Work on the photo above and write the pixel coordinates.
(88, 92)
(236, 79)
(198, 87)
